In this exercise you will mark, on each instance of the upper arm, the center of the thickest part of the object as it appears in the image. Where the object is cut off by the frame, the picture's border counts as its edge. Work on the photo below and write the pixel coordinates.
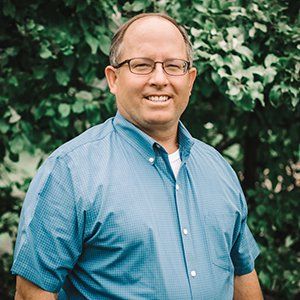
(26, 290)
(49, 238)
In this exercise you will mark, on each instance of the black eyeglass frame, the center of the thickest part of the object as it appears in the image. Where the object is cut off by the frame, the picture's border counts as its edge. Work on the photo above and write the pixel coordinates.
(127, 61)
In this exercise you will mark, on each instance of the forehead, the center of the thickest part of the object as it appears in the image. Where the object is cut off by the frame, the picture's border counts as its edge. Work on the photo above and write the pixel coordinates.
(153, 35)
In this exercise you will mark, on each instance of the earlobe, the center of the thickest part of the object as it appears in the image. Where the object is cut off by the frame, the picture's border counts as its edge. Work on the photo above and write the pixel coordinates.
(111, 77)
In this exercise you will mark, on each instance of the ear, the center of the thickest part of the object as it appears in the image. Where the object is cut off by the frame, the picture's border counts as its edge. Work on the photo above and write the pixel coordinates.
(111, 77)
(192, 77)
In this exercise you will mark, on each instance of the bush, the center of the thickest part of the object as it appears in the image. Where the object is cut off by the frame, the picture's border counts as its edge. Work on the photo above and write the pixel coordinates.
(245, 102)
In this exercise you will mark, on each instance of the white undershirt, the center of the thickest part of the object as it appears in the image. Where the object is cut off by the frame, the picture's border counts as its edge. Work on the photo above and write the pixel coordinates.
(175, 162)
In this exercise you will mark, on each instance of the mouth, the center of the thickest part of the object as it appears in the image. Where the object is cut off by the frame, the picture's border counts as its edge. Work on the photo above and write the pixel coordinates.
(158, 99)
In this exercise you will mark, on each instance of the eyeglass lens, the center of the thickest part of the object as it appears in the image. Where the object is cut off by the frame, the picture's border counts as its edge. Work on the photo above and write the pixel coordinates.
(145, 66)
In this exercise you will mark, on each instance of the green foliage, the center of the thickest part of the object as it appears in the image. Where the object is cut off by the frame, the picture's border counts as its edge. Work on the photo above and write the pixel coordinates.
(245, 102)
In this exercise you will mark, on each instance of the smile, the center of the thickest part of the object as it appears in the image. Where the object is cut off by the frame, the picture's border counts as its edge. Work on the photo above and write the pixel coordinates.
(158, 98)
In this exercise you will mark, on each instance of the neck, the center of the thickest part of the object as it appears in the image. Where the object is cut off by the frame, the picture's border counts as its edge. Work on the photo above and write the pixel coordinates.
(165, 137)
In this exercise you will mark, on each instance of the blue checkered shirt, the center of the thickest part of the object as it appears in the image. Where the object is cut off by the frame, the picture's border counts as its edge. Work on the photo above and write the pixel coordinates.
(105, 218)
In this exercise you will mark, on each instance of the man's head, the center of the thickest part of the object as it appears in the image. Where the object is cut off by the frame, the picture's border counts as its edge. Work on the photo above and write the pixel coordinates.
(116, 44)
(151, 100)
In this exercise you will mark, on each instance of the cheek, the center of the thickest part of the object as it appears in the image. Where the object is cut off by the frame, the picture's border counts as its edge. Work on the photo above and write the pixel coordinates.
(131, 84)
(182, 88)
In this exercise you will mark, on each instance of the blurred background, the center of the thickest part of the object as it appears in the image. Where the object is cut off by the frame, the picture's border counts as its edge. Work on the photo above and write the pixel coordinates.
(245, 103)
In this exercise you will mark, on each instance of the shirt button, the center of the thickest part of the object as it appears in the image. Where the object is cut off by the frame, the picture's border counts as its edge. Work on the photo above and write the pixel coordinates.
(151, 159)
(185, 231)
(177, 187)
(157, 146)
(193, 273)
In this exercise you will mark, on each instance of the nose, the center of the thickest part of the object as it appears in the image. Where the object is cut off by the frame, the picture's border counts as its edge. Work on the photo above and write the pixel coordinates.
(158, 77)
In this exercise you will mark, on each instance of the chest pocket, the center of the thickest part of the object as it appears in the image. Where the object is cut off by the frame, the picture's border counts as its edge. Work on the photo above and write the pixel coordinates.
(219, 232)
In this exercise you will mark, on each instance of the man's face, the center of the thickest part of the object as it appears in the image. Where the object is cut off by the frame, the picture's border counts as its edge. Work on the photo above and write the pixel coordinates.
(158, 39)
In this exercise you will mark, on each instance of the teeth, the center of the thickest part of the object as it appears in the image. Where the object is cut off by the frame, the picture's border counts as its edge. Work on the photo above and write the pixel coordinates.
(158, 98)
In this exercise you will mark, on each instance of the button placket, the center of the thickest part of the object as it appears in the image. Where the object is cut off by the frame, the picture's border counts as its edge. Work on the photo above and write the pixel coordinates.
(185, 231)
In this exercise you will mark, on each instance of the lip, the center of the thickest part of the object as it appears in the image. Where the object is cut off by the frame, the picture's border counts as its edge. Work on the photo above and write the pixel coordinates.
(164, 102)
(157, 95)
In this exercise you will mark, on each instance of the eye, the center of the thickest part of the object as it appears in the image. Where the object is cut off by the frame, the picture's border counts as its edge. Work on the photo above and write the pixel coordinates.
(173, 66)
(141, 64)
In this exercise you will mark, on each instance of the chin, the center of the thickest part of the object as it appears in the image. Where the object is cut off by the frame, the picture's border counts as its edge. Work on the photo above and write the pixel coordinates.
(159, 121)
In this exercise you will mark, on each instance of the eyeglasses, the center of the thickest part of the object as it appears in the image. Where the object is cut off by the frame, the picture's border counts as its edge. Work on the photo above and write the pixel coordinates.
(144, 66)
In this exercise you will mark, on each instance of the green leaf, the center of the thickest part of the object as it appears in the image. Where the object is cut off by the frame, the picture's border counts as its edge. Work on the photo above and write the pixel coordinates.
(216, 77)
(288, 241)
(294, 101)
(218, 60)
(256, 91)
(78, 106)
(261, 209)
(85, 95)
(62, 77)
(15, 117)
(246, 103)
(196, 32)
(223, 45)
(234, 88)
(270, 74)
(104, 44)
(234, 62)
(39, 72)
(245, 51)
(252, 32)
(9, 10)
(234, 31)
(45, 52)
(264, 278)
(270, 59)
(16, 144)
(30, 24)
(50, 112)
(64, 109)
(4, 127)
(260, 26)
(62, 122)
(275, 95)
(222, 73)
(13, 80)
(200, 8)
(259, 70)
(202, 54)
(139, 5)
(92, 42)
(12, 51)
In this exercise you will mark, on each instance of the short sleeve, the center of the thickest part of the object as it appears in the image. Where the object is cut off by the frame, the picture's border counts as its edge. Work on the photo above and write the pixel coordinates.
(49, 238)
(245, 249)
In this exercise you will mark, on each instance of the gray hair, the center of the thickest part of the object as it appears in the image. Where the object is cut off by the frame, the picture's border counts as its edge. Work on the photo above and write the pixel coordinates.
(116, 45)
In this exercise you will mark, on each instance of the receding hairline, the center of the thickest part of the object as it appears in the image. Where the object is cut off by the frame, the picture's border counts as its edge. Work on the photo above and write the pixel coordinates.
(151, 17)
(118, 38)
(137, 23)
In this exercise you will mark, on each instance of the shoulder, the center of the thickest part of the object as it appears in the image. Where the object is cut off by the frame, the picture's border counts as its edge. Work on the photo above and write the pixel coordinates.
(202, 149)
(93, 135)
(209, 158)
(77, 156)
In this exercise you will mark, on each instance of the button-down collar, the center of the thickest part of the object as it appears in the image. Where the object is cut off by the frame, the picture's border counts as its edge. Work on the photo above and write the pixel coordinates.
(145, 144)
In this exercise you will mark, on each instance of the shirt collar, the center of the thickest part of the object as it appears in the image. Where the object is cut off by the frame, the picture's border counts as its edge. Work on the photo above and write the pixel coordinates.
(145, 144)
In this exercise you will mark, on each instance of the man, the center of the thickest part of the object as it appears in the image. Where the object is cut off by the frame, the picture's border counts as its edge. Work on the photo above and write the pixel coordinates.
(135, 208)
